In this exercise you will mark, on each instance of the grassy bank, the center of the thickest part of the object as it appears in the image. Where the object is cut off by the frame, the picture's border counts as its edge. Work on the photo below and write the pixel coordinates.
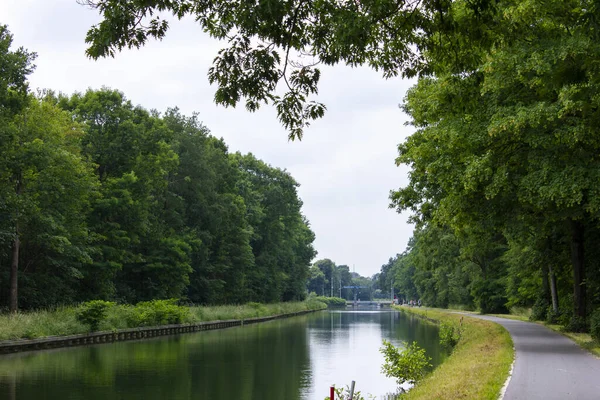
(63, 321)
(331, 301)
(478, 365)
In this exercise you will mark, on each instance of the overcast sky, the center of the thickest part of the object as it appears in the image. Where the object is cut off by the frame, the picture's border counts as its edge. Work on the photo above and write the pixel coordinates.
(344, 164)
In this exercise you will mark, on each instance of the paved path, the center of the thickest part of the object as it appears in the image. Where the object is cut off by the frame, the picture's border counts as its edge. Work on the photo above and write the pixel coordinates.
(548, 365)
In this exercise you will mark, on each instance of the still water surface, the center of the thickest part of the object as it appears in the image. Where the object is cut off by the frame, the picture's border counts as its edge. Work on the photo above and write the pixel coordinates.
(293, 359)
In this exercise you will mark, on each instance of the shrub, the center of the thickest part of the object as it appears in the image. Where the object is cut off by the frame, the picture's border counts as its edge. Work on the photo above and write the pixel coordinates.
(93, 313)
(331, 301)
(553, 317)
(576, 324)
(450, 335)
(409, 365)
(595, 325)
(158, 312)
(540, 309)
(490, 297)
(341, 394)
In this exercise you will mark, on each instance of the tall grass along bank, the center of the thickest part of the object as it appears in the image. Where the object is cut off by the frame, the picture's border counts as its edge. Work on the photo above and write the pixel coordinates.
(477, 367)
(64, 320)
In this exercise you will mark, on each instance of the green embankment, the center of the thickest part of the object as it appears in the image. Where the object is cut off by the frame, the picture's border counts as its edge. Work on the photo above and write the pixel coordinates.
(478, 365)
(63, 320)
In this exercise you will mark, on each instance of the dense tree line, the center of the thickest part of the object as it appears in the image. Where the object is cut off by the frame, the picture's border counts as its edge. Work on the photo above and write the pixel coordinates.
(492, 273)
(505, 167)
(331, 280)
(101, 199)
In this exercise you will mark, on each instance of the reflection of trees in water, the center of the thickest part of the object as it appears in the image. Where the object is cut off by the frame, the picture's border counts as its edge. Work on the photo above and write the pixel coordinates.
(267, 361)
(408, 328)
(269, 364)
(326, 328)
(8, 387)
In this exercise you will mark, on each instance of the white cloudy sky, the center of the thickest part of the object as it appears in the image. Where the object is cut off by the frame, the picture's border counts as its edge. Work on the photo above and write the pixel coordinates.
(345, 163)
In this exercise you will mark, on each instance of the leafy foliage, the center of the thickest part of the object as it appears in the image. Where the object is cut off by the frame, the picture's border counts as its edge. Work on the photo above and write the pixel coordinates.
(505, 153)
(92, 313)
(409, 365)
(159, 312)
(101, 199)
(345, 394)
(595, 325)
(276, 43)
(331, 301)
(450, 334)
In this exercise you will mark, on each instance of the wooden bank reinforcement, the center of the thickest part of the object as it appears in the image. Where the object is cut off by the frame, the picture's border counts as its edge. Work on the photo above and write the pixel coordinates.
(53, 342)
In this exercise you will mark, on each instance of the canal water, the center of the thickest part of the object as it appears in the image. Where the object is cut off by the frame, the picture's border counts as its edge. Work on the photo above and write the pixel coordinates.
(296, 358)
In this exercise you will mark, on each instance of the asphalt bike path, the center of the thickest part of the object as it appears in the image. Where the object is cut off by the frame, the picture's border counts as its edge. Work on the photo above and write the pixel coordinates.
(548, 365)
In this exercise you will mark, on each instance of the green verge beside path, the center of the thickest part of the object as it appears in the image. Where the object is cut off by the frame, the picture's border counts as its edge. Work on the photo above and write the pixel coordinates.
(63, 321)
(478, 366)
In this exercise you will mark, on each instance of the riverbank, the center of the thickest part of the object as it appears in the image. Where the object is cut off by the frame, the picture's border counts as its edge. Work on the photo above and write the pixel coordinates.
(478, 366)
(63, 321)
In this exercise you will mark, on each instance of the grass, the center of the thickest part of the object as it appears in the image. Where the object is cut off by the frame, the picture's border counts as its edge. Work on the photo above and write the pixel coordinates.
(478, 365)
(250, 310)
(63, 321)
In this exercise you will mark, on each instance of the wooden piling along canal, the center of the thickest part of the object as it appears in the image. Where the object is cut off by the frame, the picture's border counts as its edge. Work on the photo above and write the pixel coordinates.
(52, 342)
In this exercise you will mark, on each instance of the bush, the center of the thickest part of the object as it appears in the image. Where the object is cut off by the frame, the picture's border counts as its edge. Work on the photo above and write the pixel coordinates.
(158, 312)
(449, 335)
(490, 297)
(553, 317)
(409, 365)
(93, 313)
(331, 301)
(576, 324)
(540, 309)
(595, 325)
(341, 394)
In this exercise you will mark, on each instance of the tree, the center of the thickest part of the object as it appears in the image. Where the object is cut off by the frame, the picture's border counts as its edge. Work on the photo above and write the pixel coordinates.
(46, 186)
(394, 37)
(203, 201)
(328, 269)
(316, 281)
(281, 238)
(511, 137)
(15, 66)
(130, 147)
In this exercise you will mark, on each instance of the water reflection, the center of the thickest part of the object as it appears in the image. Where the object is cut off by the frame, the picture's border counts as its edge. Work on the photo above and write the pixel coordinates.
(293, 359)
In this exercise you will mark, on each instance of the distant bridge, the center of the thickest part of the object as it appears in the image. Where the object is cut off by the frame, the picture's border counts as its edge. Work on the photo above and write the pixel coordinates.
(380, 303)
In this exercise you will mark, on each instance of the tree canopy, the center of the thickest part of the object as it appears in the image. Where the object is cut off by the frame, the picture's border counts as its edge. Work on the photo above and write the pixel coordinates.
(101, 199)
(505, 153)
(274, 48)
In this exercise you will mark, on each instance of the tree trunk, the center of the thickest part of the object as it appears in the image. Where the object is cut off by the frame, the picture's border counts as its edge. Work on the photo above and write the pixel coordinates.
(553, 292)
(545, 282)
(14, 269)
(14, 262)
(577, 254)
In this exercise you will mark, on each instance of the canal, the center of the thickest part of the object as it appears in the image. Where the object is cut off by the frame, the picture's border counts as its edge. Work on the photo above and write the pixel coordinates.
(292, 359)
